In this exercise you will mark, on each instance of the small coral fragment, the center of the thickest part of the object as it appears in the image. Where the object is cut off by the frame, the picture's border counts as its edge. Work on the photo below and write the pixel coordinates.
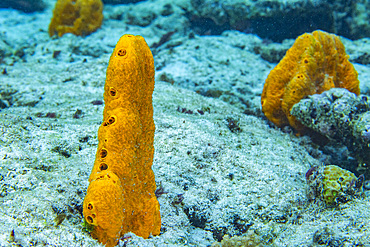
(336, 182)
(249, 239)
(315, 63)
(80, 17)
(333, 184)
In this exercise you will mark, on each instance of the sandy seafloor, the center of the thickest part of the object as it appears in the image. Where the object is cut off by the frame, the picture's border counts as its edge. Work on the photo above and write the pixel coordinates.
(217, 181)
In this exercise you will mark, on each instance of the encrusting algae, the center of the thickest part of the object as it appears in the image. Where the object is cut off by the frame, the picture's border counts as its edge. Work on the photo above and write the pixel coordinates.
(121, 195)
(315, 63)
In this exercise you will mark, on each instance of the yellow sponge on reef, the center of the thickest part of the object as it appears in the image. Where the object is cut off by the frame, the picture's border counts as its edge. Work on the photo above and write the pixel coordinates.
(315, 63)
(121, 195)
(80, 17)
(104, 207)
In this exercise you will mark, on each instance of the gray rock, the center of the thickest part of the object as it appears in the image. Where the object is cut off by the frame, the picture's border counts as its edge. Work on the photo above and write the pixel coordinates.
(341, 116)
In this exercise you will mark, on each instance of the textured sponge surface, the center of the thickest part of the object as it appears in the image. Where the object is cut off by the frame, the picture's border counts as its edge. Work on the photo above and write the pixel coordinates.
(121, 195)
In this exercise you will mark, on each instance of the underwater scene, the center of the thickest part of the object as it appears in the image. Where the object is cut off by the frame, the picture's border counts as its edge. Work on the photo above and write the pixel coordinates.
(185, 123)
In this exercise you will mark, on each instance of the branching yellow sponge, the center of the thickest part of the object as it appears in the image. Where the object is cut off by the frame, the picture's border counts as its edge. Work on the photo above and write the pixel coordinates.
(121, 195)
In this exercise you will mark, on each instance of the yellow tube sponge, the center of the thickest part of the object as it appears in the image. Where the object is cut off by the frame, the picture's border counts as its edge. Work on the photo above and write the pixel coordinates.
(125, 151)
(80, 17)
(103, 207)
(315, 63)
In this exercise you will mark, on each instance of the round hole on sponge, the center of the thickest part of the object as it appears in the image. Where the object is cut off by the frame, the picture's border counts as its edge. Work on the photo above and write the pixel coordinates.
(103, 166)
(89, 220)
(103, 153)
(111, 120)
(112, 91)
(121, 52)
